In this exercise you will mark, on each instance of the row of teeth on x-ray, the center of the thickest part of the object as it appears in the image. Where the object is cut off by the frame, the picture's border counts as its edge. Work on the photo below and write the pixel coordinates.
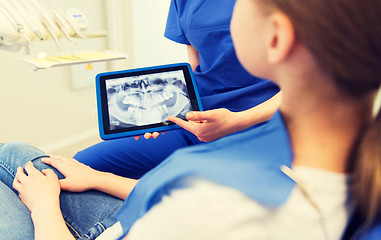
(140, 116)
(154, 99)
(148, 102)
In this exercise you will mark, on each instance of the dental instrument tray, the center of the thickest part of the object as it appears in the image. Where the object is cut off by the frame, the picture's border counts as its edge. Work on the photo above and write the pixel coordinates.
(136, 101)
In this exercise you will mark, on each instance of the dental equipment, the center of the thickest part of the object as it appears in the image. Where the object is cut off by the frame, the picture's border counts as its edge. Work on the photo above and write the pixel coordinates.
(72, 20)
(60, 23)
(47, 25)
(35, 15)
(44, 61)
(19, 27)
(23, 22)
(30, 20)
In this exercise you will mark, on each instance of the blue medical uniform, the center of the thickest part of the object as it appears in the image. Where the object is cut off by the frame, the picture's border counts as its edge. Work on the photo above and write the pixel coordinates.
(222, 83)
(249, 162)
(373, 234)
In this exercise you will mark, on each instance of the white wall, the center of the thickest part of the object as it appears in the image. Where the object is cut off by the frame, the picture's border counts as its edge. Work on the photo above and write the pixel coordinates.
(150, 46)
(40, 107)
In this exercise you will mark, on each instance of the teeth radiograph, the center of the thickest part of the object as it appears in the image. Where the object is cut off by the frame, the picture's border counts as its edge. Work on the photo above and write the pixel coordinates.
(147, 99)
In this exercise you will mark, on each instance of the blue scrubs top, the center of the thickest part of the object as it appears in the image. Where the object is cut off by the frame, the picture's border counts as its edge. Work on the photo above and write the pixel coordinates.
(373, 234)
(249, 162)
(222, 81)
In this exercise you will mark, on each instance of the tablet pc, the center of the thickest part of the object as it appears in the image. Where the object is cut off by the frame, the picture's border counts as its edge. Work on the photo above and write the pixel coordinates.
(135, 101)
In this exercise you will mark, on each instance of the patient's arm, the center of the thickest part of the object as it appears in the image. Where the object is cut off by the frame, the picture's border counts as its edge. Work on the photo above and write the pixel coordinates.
(79, 178)
(39, 191)
(49, 224)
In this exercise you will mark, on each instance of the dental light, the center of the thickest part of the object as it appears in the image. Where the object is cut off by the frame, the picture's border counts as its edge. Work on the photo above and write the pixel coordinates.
(23, 22)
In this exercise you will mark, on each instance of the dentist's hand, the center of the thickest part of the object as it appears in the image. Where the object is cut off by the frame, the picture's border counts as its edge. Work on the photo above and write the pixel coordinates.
(209, 125)
(153, 135)
(37, 190)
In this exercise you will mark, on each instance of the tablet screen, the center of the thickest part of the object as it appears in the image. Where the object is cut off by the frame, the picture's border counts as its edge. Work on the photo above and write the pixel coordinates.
(137, 101)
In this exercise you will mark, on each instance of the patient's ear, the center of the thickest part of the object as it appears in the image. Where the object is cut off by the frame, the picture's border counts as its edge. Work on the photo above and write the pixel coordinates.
(280, 39)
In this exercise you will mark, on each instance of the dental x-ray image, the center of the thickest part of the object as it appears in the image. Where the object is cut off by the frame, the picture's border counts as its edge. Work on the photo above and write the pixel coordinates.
(146, 99)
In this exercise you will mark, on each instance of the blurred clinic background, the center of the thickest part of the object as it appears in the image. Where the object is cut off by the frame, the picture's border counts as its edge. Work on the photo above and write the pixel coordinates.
(55, 108)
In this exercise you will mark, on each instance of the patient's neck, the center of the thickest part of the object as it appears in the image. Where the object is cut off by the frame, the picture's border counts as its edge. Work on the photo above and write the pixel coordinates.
(324, 123)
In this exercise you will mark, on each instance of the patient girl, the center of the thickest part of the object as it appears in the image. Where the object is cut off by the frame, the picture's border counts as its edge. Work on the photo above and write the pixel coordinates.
(301, 176)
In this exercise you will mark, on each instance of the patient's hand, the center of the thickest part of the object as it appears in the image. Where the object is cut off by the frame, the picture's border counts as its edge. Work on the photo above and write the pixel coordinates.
(78, 176)
(37, 189)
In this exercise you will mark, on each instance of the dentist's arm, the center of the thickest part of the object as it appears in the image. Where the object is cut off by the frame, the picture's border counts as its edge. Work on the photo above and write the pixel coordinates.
(214, 124)
(79, 178)
(193, 57)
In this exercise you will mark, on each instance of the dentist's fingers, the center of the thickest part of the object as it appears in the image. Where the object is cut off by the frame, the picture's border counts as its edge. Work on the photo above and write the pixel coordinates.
(200, 116)
(147, 135)
(196, 116)
(190, 126)
(152, 135)
(155, 134)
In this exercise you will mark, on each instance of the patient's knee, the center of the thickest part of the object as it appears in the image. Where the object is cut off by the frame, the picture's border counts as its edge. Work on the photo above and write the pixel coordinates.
(15, 154)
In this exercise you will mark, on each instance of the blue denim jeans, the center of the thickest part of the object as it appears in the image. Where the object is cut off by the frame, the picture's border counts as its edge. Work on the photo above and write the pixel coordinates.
(86, 214)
